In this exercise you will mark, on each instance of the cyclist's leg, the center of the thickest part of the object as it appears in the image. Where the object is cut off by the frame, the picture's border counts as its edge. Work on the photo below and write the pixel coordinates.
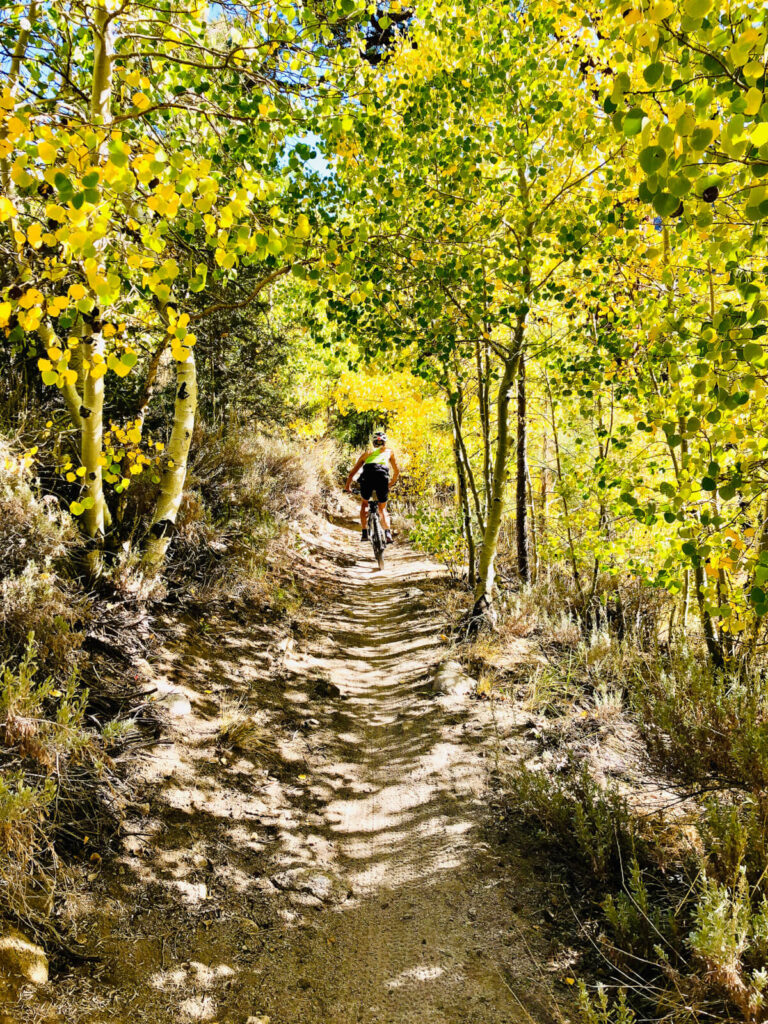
(384, 515)
(364, 513)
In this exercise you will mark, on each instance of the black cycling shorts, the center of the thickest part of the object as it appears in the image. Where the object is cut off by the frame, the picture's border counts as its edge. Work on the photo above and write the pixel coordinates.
(374, 482)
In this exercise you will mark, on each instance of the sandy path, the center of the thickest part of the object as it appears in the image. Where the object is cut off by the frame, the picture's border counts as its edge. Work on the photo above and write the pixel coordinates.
(336, 868)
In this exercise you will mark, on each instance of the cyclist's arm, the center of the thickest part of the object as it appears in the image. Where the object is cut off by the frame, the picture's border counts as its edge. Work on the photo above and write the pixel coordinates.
(354, 469)
(395, 469)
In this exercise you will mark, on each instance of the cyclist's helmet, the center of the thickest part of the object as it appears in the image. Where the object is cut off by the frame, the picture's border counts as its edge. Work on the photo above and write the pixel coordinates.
(379, 439)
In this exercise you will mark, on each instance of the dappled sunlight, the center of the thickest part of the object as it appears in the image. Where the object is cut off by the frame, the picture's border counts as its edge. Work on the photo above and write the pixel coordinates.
(415, 974)
(319, 805)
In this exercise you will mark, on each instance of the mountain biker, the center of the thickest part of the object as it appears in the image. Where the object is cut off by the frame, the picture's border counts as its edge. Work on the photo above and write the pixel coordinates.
(374, 479)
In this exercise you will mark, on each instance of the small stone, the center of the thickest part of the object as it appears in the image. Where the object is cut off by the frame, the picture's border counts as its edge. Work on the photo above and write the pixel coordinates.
(450, 679)
(472, 914)
(176, 704)
(22, 958)
(325, 689)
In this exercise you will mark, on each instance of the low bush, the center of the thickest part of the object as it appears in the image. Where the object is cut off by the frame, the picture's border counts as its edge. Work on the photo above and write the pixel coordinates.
(437, 531)
(706, 725)
(37, 544)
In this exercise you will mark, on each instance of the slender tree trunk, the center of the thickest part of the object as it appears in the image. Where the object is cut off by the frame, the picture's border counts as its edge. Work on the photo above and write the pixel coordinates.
(563, 497)
(92, 411)
(483, 607)
(521, 518)
(532, 521)
(543, 492)
(103, 60)
(92, 420)
(174, 477)
(482, 362)
(149, 383)
(470, 476)
(461, 479)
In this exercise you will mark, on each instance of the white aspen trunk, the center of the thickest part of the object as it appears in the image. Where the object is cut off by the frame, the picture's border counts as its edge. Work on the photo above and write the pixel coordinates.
(174, 477)
(486, 576)
(91, 432)
(92, 411)
(103, 60)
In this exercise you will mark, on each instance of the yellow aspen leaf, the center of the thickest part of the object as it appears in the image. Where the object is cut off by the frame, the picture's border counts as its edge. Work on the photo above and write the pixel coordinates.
(30, 319)
(140, 100)
(47, 152)
(98, 370)
(35, 236)
(15, 127)
(760, 134)
(69, 377)
(7, 209)
(31, 297)
(754, 100)
(76, 292)
(55, 212)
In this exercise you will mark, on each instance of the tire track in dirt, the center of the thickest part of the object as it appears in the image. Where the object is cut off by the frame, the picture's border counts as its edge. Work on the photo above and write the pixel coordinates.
(336, 866)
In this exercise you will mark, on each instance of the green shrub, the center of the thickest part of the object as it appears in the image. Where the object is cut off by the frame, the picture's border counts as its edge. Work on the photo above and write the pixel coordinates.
(598, 1008)
(437, 531)
(706, 724)
(590, 826)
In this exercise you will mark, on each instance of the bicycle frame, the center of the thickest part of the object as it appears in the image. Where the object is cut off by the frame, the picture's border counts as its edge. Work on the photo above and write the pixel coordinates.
(375, 532)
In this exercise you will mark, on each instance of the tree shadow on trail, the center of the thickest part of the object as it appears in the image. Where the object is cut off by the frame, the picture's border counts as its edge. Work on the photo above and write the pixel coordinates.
(330, 867)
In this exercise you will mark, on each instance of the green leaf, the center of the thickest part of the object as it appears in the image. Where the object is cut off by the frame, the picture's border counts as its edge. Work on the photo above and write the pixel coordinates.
(50, 377)
(118, 153)
(653, 72)
(62, 183)
(665, 204)
(633, 121)
(701, 138)
(651, 158)
(91, 180)
(76, 508)
(697, 8)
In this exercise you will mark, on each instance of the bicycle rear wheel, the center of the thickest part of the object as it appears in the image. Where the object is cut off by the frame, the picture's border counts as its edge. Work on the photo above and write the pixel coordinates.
(377, 540)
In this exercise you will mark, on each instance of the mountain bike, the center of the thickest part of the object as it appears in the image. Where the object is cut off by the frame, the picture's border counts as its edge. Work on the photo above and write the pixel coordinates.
(376, 532)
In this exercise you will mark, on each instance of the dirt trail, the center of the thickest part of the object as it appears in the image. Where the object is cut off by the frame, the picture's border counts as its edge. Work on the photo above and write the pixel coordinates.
(335, 866)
